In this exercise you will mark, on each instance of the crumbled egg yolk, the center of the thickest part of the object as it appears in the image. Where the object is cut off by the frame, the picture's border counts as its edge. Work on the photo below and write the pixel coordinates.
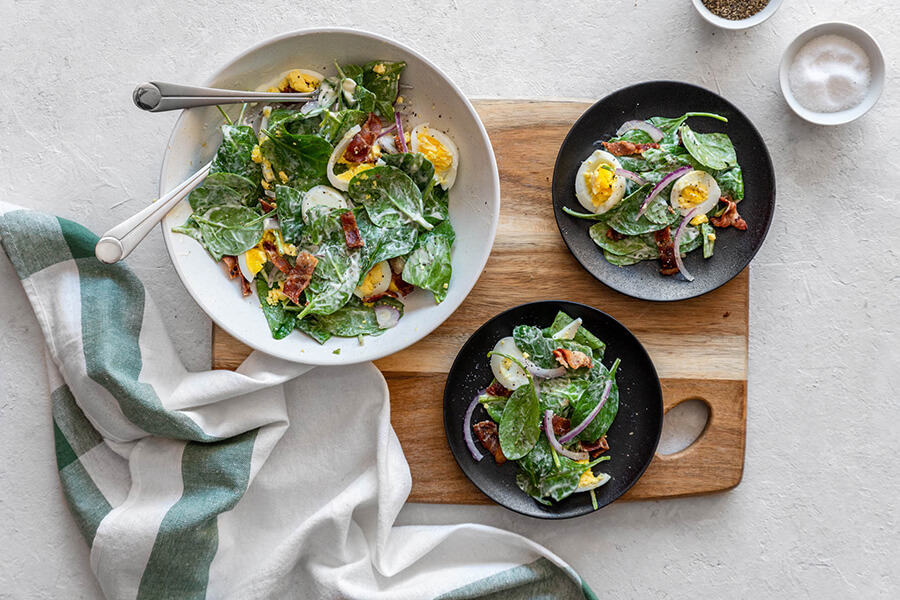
(693, 195)
(600, 184)
(711, 237)
(699, 219)
(256, 154)
(266, 185)
(588, 479)
(297, 81)
(276, 294)
(436, 153)
(274, 236)
(379, 68)
(256, 257)
(282, 176)
(352, 171)
(373, 278)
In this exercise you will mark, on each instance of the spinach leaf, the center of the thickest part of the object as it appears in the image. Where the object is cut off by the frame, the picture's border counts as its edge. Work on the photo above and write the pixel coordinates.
(287, 207)
(539, 349)
(690, 239)
(354, 72)
(384, 83)
(384, 243)
(429, 265)
(233, 155)
(364, 99)
(190, 228)
(230, 230)
(281, 322)
(436, 203)
(389, 195)
(586, 403)
(494, 405)
(713, 150)
(561, 393)
(336, 124)
(636, 136)
(706, 231)
(310, 327)
(619, 260)
(303, 158)
(323, 224)
(207, 196)
(622, 217)
(334, 279)
(295, 122)
(582, 336)
(539, 477)
(355, 318)
(731, 183)
(670, 126)
(641, 246)
(419, 168)
(520, 425)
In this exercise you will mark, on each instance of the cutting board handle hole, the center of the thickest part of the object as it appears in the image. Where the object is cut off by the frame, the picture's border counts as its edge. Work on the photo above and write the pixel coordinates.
(683, 425)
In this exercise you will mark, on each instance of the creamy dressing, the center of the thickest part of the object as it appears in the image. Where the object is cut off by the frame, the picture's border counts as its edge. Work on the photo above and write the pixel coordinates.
(830, 74)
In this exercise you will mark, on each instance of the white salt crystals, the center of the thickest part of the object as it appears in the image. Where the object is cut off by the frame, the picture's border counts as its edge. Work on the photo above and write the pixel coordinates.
(830, 74)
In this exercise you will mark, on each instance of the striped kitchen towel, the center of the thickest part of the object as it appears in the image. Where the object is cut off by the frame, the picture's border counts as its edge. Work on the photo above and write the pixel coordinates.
(268, 482)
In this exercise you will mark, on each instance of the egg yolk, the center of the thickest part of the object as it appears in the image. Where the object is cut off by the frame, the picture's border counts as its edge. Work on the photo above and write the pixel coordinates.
(352, 171)
(276, 295)
(693, 195)
(588, 479)
(599, 183)
(297, 81)
(373, 278)
(435, 152)
(256, 257)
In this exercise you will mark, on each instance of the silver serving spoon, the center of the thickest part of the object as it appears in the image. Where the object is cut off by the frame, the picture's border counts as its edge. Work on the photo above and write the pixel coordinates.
(118, 242)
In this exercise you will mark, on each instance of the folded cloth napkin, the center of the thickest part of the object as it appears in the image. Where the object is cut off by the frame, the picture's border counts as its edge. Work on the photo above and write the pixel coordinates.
(273, 481)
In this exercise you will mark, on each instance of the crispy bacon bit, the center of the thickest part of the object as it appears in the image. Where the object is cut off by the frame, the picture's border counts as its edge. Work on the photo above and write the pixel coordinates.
(231, 266)
(266, 206)
(666, 248)
(561, 425)
(358, 148)
(489, 436)
(595, 448)
(351, 231)
(278, 260)
(730, 218)
(497, 389)
(626, 148)
(614, 235)
(245, 287)
(572, 359)
(404, 288)
(298, 277)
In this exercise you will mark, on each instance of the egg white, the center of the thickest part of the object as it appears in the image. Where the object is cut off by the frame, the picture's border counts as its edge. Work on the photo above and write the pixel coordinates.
(447, 177)
(382, 271)
(322, 195)
(701, 179)
(582, 193)
(336, 155)
(509, 374)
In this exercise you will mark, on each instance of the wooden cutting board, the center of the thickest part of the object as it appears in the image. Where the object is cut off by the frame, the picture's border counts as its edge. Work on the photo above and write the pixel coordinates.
(699, 346)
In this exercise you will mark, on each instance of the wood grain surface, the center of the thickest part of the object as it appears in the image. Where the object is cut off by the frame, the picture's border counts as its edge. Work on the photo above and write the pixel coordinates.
(699, 346)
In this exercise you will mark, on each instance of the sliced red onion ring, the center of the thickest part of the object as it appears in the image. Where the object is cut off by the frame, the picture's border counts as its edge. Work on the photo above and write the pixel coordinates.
(632, 176)
(386, 130)
(587, 421)
(548, 429)
(655, 133)
(541, 373)
(677, 242)
(400, 135)
(659, 187)
(386, 316)
(467, 428)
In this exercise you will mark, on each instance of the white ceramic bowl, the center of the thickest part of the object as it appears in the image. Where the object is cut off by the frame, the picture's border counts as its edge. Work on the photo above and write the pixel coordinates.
(854, 34)
(750, 21)
(474, 198)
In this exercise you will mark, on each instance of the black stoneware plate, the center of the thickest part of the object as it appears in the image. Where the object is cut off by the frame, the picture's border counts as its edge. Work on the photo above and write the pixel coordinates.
(734, 249)
(632, 437)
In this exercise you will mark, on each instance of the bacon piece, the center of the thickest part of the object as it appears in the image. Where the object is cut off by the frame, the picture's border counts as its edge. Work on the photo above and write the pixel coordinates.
(595, 448)
(561, 425)
(278, 260)
(358, 148)
(666, 248)
(730, 218)
(299, 277)
(489, 436)
(614, 235)
(231, 266)
(572, 359)
(245, 287)
(404, 288)
(266, 206)
(351, 231)
(497, 389)
(626, 148)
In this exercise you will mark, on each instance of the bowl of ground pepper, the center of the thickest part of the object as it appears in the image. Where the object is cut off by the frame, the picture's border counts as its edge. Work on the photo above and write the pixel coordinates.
(736, 14)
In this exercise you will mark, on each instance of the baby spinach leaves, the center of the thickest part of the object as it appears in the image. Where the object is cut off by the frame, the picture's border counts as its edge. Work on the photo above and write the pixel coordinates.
(355, 318)
(437, 204)
(384, 243)
(302, 158)
(281, 322)
(713, 150)
(640, 246)
(230, 230)
(419, 168)
(622, 217)
(582, 336)
(706, 231)
(287, 207)
(429, 265)
(539, 349)
(389, 195)
(588, 401)
(731, 183)
(336, 124)
(233, 155)
(382, 78)
(560, 393)
(539, 477)
(520, 425)
(334, 279)
(310, 327)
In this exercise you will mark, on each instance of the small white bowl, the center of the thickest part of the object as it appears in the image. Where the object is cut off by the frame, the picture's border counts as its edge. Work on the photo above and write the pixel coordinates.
(854, 34)
(750, 21)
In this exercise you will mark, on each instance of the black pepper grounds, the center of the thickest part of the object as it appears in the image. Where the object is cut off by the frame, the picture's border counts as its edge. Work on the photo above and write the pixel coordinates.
(735, 10)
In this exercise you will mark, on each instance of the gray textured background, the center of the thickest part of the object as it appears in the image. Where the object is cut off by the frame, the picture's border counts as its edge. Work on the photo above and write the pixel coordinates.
(816, 514)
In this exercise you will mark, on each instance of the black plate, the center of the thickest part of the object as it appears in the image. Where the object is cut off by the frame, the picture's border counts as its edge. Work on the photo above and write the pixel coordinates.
(632, 438)
(734, 249)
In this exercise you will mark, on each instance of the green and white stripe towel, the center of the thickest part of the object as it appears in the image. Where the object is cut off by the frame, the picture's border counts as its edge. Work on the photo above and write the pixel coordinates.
(268, 482)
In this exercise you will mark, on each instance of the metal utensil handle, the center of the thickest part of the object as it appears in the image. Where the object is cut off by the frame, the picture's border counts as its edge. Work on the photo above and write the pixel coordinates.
(158, 96)
(118, 242)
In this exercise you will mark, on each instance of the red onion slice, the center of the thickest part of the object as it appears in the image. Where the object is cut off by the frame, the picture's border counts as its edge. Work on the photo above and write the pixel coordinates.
(386, 316)
(659, 187)
(541, 373)
(583, 425)
(677, 242)
(400, 135)
(631, 176)
(467, 428)
(654, 132)
(548, 429)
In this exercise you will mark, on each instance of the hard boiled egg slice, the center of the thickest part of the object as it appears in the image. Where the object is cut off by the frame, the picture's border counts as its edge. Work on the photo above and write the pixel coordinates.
(589, 481)
(509, 374)
(376, 282)
(440, 150)
(322, 195)
(597, 186)
(695, 189)
(251, 262)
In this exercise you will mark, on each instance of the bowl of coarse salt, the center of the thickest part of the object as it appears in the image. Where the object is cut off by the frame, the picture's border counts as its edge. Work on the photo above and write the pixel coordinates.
(832, 73)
